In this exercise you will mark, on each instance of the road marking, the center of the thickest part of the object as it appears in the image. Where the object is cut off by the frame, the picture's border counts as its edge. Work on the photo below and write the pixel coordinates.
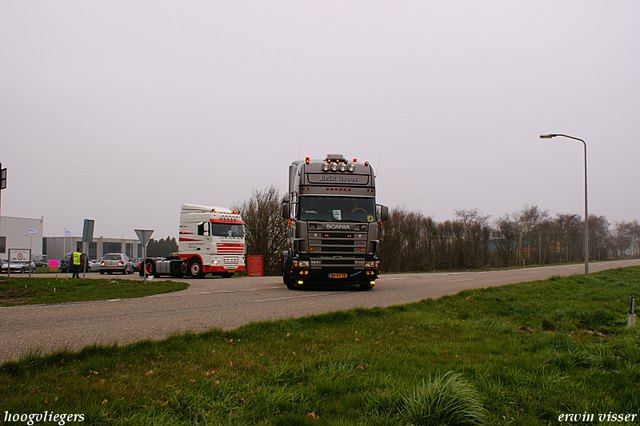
(297, 297)
(200, 293)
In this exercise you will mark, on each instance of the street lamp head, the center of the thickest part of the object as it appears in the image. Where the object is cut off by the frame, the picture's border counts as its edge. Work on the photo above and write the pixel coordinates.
(547, 136)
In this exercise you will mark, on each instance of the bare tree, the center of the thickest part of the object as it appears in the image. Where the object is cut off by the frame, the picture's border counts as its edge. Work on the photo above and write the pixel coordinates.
(625, 239)
(569, 237)
(599, 238)
(531, 222)
(265, 229)
(475, 239)
(505, 238)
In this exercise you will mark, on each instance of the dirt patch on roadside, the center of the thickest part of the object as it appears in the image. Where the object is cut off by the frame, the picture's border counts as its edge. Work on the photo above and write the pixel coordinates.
(19, 295)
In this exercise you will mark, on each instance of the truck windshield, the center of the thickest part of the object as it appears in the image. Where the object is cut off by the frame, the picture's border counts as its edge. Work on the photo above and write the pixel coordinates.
(227, 230)
(337, 209)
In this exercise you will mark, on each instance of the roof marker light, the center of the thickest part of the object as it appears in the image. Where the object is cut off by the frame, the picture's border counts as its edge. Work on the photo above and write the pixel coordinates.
(307, 159)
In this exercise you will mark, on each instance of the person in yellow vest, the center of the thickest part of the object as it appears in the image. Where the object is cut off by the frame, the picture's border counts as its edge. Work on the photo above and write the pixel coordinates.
(77, 263)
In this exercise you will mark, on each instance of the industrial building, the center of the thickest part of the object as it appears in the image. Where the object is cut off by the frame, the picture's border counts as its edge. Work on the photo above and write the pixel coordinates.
(57, 247)
(21, 233)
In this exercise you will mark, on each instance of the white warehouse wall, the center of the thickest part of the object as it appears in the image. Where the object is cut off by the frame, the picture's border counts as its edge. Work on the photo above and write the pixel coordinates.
(16, 232)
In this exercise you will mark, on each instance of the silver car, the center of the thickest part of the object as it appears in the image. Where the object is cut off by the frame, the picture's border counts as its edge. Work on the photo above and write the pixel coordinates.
(22, 266)
(116, 262)
(94, 265)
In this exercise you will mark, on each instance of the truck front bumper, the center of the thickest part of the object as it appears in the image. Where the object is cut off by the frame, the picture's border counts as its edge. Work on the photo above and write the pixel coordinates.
(335, 275)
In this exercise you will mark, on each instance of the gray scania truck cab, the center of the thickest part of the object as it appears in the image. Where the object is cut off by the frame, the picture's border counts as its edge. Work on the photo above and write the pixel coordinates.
(333, 222)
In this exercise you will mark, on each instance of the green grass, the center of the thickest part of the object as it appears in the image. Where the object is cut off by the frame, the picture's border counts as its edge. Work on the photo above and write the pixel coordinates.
(23, 290)
(515, 355)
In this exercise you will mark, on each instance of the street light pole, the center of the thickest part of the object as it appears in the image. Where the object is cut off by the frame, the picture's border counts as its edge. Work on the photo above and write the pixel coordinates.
(586, 209)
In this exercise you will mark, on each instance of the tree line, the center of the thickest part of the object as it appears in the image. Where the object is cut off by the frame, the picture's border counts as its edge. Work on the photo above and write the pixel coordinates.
(161, 248)
(412, 242)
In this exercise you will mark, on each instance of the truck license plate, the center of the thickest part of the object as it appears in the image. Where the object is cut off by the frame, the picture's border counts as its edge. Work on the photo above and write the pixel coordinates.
(337, 275)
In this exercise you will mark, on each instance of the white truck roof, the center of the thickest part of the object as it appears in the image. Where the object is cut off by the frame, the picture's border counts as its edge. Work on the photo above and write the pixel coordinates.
(194, 208)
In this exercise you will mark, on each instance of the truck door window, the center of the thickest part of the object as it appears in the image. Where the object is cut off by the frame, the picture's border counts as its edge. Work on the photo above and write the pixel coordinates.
(203, 228)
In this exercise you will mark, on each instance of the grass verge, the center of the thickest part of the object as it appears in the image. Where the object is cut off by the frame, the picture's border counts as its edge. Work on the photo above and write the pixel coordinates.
(26, 291)
(521, 354)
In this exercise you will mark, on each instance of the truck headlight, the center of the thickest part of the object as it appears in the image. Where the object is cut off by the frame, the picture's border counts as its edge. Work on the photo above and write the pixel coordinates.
(304, 264)
(370, 264)
(325, 167)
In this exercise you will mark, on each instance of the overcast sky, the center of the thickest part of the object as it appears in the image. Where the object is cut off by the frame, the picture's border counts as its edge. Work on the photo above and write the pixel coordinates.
(121, 111)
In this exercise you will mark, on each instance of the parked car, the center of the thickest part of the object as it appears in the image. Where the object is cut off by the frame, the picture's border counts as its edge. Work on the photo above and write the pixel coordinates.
(116, 262)
(40, 263)
(22, 266)
(136, 264)
(94, 265)
(64, 263)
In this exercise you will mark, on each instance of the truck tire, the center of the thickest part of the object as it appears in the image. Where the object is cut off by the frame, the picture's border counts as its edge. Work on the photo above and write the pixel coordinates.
(195, 268)
(150, 268)
(366, 286)
(287, 276)
(289, 281)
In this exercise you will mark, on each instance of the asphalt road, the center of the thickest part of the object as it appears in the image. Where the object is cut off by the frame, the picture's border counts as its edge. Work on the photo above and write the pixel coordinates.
(229, 303)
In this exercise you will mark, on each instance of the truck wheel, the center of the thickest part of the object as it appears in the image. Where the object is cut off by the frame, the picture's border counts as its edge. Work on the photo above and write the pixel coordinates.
(290, 280)
(195, 269)
(287, 276)
(150, 269)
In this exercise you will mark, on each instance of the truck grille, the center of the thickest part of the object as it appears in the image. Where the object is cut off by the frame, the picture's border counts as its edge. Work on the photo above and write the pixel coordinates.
(231, 262)
(337, 248)
(230, 248)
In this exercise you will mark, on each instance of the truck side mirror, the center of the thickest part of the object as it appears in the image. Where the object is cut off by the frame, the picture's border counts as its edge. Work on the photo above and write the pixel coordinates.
(286, 209)
(384, 213)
